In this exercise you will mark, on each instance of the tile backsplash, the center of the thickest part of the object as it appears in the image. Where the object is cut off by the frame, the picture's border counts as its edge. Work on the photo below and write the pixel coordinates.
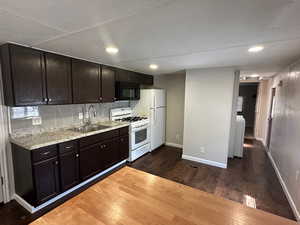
(57, 117)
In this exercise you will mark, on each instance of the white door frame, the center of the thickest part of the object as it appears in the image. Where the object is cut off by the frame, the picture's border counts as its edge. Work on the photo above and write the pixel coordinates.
(4, 130)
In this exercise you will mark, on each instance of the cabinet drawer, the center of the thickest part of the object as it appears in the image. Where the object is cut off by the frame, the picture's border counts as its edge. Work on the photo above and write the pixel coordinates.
(98, 137)
(70, 146)
(44, 153)
(124, 131)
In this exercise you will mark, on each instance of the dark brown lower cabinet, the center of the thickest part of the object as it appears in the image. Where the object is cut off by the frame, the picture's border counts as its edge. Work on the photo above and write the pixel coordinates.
(46, 180)
(90, 161)
(69, 170)
(123, 147)
(43, 173)
(109, 152)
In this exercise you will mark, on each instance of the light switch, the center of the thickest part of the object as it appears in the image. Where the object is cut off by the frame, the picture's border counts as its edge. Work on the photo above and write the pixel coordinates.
(80, 116)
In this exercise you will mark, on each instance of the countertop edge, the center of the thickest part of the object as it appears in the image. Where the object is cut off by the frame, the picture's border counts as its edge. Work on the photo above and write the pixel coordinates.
(70, 138)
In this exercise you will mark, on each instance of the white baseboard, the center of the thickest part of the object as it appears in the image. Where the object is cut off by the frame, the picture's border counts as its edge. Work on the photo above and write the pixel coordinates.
(262, 141)
(285, 189)
(205, 161)
(33, 209)
(173, 145)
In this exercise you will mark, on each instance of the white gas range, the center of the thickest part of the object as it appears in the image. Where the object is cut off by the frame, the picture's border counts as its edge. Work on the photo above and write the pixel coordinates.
(139, 132)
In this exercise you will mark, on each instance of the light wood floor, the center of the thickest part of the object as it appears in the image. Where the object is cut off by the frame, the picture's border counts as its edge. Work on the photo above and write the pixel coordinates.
(132, 197)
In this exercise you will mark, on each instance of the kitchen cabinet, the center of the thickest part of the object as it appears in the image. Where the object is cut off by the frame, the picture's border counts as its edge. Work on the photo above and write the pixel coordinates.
(69, 170)
(43, 173)
(123, 147)
(90, 161)
(108, 77)
(86, 82)
(58, 77)
(109, 152)
(46, 179)
(69, 164)
(23, 73)
(145, 79)
(34, 77)
(133, 77)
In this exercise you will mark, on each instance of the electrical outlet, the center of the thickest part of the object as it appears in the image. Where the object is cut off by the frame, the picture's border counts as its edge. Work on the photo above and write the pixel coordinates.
(36, 120)
(202, 150)
(80, 116)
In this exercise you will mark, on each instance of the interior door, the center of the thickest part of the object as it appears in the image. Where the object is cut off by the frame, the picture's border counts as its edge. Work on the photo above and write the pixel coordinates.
(1, 189)
(158, 127)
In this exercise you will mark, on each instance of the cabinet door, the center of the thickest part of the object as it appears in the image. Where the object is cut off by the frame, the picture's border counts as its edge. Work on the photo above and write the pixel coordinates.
(109, 152)
(86, 81)
(123, 147)
(58, 75)
(90, 161)
(69, 170)
(28, 76)
(46, 179)
(108, 84)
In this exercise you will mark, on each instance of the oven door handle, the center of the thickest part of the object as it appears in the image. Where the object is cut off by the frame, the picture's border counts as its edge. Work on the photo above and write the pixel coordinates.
(140, 128)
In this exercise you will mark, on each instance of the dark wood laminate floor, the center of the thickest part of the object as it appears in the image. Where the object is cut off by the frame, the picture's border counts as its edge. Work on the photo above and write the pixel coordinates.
(250, 177)
(253, 175)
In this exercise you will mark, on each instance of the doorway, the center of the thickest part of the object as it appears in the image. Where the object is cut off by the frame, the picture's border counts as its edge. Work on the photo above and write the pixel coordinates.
(248, 92)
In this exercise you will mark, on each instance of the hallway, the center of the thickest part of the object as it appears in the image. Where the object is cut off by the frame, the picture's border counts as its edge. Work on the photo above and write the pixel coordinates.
(252, 177)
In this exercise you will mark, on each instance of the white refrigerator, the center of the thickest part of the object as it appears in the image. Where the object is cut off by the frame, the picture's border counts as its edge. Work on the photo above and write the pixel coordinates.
(152, 104)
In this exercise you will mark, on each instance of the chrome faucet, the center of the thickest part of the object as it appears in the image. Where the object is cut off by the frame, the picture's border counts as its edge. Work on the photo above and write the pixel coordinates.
(94, 113)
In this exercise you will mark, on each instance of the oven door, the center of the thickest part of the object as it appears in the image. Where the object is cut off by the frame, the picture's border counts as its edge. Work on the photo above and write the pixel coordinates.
(140, 136)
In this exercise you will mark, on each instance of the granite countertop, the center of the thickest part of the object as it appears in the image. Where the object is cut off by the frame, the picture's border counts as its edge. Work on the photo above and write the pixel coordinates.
(40, 140)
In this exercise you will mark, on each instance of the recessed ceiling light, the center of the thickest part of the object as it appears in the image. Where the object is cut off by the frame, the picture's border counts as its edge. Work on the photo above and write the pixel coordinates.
(256, 48)
(153, 66)
(112, 50)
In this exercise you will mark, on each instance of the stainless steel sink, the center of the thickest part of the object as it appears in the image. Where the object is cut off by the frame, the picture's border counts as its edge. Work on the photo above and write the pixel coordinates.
(89, 128)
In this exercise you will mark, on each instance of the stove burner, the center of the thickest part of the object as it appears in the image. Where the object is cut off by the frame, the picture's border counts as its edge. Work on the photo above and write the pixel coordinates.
(132, 119)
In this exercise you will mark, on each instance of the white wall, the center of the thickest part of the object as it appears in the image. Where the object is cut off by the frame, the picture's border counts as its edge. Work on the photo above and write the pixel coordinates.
(174, 84)
(208, 110)
(285, 136)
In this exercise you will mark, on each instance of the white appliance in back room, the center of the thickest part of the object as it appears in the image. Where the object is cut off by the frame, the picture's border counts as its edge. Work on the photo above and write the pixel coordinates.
(152, 104)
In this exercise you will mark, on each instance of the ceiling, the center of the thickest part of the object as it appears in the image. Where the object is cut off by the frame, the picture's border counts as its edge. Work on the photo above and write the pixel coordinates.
(174, 34)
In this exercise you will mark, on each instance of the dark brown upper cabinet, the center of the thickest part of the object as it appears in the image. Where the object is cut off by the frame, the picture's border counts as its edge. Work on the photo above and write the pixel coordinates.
(108, 78)
(34, 77)
(145, 79)
(23, 72)
(58, 77)
(86, 82)
(133, 77)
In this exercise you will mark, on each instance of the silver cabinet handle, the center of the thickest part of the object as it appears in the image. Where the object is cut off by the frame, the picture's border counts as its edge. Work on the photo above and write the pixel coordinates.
(77, 155)
(50, 99)
(56, 162)
(68, 147)
(45, 153)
